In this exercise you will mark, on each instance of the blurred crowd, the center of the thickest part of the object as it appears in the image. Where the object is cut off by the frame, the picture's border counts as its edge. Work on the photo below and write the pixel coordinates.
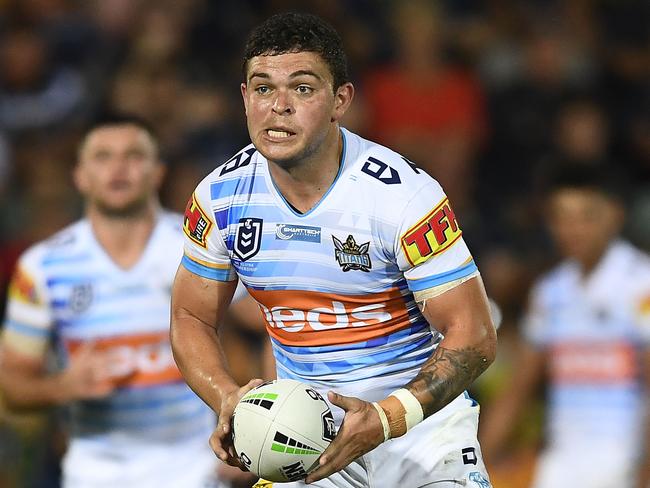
(486, 96)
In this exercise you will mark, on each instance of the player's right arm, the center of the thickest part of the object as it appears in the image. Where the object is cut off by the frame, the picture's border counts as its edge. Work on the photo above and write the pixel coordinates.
(198, 305)
(24, 379)
(529, 369)
(202, 291)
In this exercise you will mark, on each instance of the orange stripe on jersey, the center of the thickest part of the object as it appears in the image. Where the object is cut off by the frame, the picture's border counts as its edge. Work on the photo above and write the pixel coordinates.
(593, 363)
(308, 318)
(135, 360)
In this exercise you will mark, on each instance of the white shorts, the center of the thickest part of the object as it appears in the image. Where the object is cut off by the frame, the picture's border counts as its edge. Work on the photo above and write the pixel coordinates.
(585, 467)
(87, 465)
(434, 454)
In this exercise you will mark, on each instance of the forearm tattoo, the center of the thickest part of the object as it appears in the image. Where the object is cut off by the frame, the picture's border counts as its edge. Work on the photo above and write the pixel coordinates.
(445, 375)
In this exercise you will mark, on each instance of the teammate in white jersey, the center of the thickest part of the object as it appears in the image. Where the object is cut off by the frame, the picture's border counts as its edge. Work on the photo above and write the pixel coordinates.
(358, 264)
(98, 294)
(587, 332)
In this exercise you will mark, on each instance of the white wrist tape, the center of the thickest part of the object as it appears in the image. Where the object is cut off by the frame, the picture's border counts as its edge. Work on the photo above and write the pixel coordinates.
(384, 420)
(412, 407)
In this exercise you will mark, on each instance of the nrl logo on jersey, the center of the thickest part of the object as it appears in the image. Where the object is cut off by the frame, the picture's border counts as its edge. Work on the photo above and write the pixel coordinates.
(81, 297)
(248, 238)
(350, 255)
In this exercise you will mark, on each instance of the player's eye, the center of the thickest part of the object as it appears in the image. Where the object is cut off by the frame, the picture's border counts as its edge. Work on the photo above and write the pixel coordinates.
(262, 90)
(102, 156)
(135, 155)
(304, 89)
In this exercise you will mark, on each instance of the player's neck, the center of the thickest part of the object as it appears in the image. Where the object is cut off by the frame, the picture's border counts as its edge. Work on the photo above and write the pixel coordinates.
(124, 238)
(588, 264)
(304, 185)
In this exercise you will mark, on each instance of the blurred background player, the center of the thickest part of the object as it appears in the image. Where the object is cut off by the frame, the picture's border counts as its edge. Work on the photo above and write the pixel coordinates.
(97, 294)
(587, 332)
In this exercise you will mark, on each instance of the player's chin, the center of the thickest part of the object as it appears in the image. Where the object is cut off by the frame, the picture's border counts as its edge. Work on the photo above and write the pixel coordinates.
(279, 149)
(284, 157)
(120, 207)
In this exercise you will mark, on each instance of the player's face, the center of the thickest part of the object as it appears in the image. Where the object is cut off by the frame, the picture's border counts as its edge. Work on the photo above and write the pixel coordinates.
(291, 108)
(118, 170)
(583, 222)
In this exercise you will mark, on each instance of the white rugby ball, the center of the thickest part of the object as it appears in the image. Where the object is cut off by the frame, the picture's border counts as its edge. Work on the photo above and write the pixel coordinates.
(281, 428)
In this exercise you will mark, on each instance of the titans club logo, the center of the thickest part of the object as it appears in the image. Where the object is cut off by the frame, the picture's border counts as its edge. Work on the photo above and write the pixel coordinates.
(248, 238)
(350, 255)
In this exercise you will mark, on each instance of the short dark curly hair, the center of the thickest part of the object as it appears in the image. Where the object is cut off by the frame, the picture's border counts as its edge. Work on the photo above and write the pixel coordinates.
(293, 32)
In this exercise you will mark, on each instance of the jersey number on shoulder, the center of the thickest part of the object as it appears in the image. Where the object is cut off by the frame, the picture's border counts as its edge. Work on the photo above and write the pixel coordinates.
(385, 173)
(380, 170)
(237, 161)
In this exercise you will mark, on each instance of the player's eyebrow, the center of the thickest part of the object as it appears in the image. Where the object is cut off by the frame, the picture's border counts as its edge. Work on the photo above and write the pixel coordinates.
(295, 74)
(304, 72)
(257, 74)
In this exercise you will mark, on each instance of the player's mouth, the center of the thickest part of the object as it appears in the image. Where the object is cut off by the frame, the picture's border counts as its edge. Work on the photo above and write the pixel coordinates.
(119, 185)
(279, 134)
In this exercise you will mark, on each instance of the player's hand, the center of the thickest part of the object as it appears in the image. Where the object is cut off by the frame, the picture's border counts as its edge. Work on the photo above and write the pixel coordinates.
(360, 433)
(88, 376)
(221, 438)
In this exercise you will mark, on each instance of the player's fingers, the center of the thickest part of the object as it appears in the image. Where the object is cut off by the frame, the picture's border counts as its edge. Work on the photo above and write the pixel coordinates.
(330, 462)
(346, 403)
(228, 408)
(254, 383)
(331, 457)
(217, 446)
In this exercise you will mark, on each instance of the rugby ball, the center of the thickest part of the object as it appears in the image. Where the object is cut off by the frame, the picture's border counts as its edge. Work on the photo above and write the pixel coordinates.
(280, 429)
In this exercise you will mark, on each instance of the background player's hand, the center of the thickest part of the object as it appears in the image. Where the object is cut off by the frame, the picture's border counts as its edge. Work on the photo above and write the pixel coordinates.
(221, 438)
(360, 433)
(88, 376)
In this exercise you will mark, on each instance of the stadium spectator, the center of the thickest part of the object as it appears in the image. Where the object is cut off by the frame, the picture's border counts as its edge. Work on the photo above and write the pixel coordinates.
(35, 92)
(424, 107)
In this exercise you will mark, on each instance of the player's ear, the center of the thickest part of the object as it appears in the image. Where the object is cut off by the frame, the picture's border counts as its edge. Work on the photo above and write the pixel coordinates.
(342, 100)
(80, 178)
(159, 174)
(244, 91)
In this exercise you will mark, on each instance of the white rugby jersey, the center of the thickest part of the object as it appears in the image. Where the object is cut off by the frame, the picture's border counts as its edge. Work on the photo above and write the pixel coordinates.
(335, 284)
(67, 291)
(595, 330)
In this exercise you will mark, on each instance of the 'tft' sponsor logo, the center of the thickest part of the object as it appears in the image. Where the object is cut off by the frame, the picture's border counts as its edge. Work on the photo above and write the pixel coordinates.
(431, 235)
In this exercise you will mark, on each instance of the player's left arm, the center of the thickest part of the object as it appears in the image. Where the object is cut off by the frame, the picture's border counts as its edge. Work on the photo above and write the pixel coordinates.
(462, 315)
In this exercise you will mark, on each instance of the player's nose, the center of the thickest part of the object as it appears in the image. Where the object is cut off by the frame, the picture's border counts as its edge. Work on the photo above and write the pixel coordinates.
(282, 104)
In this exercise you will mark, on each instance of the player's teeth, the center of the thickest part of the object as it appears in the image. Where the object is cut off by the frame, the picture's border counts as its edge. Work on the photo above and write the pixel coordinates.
(278, 133)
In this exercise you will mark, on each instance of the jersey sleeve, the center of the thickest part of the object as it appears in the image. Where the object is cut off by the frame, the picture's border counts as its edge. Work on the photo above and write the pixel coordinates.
(205, 253)
(28, 322)
(430, 250)
(642, 309)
